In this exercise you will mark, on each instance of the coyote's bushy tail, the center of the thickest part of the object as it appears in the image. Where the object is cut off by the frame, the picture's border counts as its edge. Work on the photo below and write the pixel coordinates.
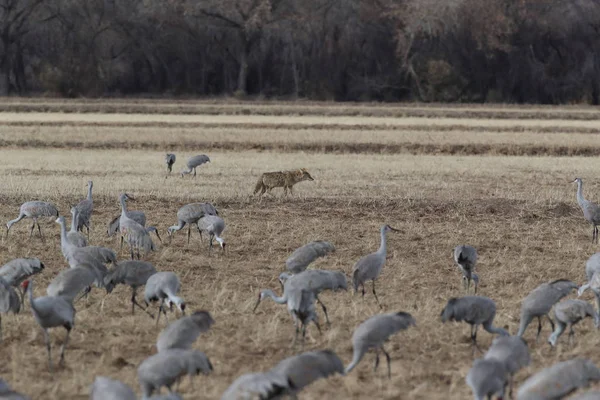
(259, 185)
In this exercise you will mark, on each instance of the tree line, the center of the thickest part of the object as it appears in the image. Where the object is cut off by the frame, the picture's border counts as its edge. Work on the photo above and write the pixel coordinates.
(525, 51)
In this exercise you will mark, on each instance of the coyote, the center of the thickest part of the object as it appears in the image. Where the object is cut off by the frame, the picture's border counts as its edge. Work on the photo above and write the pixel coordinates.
(285, 179)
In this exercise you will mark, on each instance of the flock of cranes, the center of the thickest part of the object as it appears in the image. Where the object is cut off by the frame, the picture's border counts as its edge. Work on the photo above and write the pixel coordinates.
(89, 266)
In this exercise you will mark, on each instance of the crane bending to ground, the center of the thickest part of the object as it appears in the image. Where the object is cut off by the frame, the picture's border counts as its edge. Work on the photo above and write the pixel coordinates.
(182, 333)
(369, 267)
(303, 256)
(193, 163)
(214, 226)
(34, 210)
(18, 270)
(190, 214)
(9, 301)
(513, 352)
(487, 378)
(568, 313)
(163, 287)
(465, 257)
(133, 273)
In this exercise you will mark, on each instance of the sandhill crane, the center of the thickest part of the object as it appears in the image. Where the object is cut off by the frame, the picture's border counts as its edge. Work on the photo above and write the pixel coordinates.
(539, 302)
(303, 256)
(591, 211)
(513, 352)
(190, 214)
(193, 163)
(69, 283)
(300, 304)
(475, 311)
(592, 265)
(266, 385)
(34, 210)
(18, 270)
(170, 160)
(465, 257)
(105, 388)
(75, 237)
(85, 208)
(182, 333)
(568, 313)
(137, 216)
(214, 226)
(137, 236)
(133, 273)
(368, 268)
(591, 395)
(167, 367)
(316, 280)
(9, 301)
(487, 378)
(6, 393)
(594, 285)
(374, 332)
(559, 380)
(52, 312)
(163, 287)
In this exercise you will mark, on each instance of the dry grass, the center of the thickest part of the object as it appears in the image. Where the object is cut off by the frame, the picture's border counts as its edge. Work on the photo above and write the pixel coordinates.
(520, 212)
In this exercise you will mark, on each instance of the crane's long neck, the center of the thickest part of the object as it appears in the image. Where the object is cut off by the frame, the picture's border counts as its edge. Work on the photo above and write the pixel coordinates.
(383, 245)
(276, 299)
(30, 296)
(123, 207)
(63, 231)
(176, 227)
(359, 352)
(580, 198)
(89, 196)
(74, 221)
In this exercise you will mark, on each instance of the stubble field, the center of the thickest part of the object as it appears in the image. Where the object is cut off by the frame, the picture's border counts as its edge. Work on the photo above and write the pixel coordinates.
(442, 175)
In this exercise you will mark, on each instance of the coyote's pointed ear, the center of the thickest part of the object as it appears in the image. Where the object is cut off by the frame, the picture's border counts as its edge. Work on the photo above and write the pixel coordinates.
(303, 169)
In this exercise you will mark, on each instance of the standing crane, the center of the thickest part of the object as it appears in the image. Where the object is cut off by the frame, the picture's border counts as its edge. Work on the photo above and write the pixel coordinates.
(465, 257)
(475, 311)
(559, 380)
(167, 367)
(34, 210)
(594, 285)
(182, 333)
(487, 378)
(137, 216)
(214, 226)
(369, 267)
(592, 265)
(540, 301)
(52, 312)
(303, 256)
(170, 159)
(83, 255)
(163, 287)
(193, 163)
(300, 304)
(316, 280)
(105, 388)
(568, 313)
(85, 208)
(374, 332)
(18, 270)
(6, 393)
(513, 352)
(190, 214)
(9, 301)
(133, 273)
(137, 236)
(73, 236)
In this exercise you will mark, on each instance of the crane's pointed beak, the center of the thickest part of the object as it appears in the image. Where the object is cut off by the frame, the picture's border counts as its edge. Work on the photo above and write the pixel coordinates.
(257, 303)
(394, 229)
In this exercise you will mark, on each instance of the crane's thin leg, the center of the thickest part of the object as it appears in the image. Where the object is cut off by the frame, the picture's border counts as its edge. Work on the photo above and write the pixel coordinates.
(378, 303)
(62, 349)
(511, 381)
(131, 251)
(318, 327)
(194, 172)
(376, 360)
(40, 230)
(537, 337)
(474, 338)
(550, 320)
(0, 327)
(324, 309)
(32, 228)
(122, 240)
(189, 232)
(571, 335)
(199, 231)
(135, 303)
(47, 339)
(363, 290)
(159, 311)
(389, 362)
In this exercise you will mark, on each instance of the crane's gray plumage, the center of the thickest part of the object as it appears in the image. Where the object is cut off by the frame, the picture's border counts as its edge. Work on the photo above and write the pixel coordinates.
(540, 301)
(9, 301)
(133, 273)
(487, 378)
(76, 238)
(170, 160)
(466, 258)
(137, 216)
(594, 285)
(105, 388)
(592, 265)
(182, 333)
(474, 310)
(559, 380)
(568, 313)
(193, 163)
(34, 210)
(163, 287)
(83, 255)
(168, 396)
(18, 270)
(190, 214)
(69, 283)
(51, 312)
(513, 352)
(374, 332)
(591, 211)
(6, 393)
(369, 267)
(214, 226)
(85, 208)
(316, 280)
(167, 367)
(591, 395)
(136, 234)
(268, 385)
(303, 256)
